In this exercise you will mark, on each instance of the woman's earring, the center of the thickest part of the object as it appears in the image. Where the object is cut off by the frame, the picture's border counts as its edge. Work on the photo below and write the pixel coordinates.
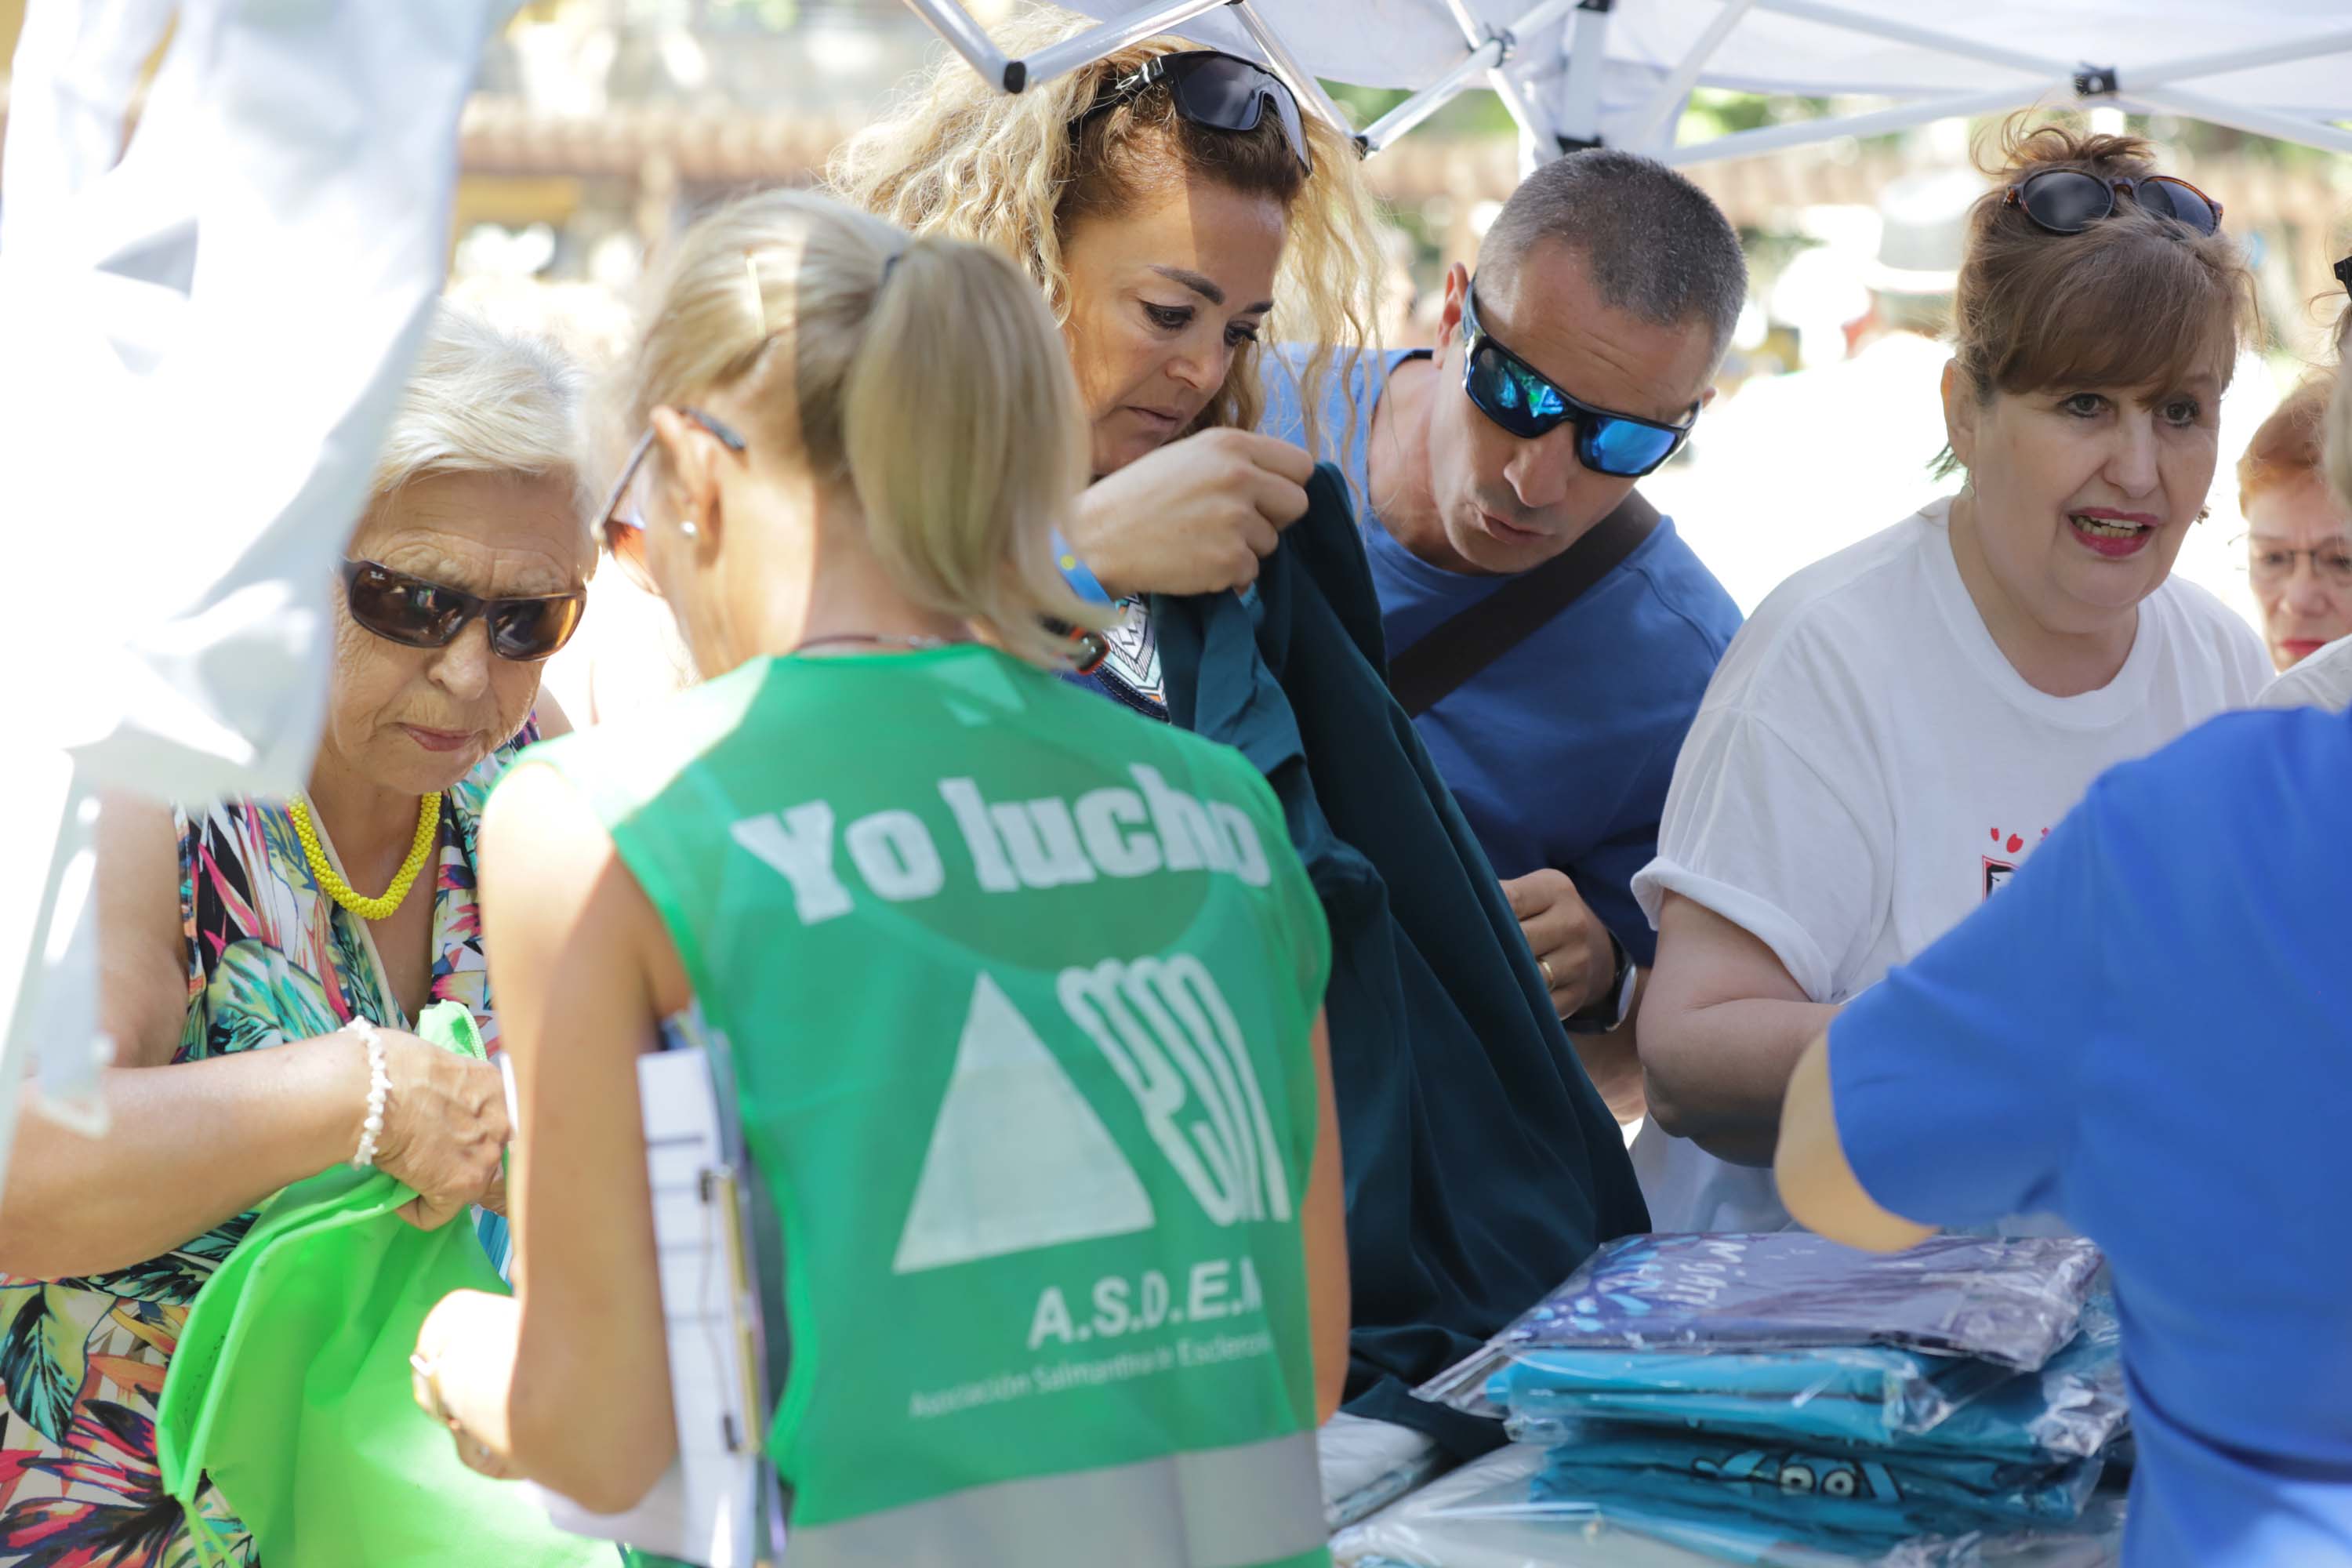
(2203, 512)
(688, 529)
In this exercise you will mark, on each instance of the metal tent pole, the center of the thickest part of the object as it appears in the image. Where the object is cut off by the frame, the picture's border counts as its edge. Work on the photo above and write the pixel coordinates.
(1486, 53)
(963, 35)
(2140, 78)
(1533, 123)
(1902, 117)
(1297, 78)
(1431, 98)
(1587, 59)
(2238, 117)
(1656, 129)
(1922, 37)
(1104, 39)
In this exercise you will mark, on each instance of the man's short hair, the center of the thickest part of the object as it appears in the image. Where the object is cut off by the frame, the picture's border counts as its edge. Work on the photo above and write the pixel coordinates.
(1657, 246)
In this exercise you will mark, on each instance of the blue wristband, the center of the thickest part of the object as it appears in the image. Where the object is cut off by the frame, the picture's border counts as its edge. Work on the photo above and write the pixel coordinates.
(1074, 572)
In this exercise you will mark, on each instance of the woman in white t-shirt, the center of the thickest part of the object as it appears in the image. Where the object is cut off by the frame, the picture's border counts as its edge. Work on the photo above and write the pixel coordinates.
(1896, 728)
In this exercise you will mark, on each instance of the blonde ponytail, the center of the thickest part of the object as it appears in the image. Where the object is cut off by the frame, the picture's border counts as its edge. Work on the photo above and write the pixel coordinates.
(926, 377)
(961, 425)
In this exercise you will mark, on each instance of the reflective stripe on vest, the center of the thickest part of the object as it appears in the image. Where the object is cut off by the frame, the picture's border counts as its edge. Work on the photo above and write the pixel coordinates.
(1226, 1507)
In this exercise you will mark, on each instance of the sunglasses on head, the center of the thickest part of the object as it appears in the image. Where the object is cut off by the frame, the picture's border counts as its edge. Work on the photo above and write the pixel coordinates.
(2344, 274)
(1516, 396)
(416, 613)
(1212, 87)
(624, 535)
(2068, 201)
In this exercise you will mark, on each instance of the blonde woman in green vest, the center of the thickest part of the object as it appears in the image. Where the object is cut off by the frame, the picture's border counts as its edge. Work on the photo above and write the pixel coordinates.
(1023, 992)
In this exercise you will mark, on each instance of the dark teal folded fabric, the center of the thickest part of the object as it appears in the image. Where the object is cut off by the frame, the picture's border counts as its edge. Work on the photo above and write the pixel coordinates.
(2074, 1407)
(1844, 1491)
(1482, 1166)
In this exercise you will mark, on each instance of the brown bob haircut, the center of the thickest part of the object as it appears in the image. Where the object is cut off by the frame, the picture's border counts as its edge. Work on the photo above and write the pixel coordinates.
(2133, 300)
(2290, 443)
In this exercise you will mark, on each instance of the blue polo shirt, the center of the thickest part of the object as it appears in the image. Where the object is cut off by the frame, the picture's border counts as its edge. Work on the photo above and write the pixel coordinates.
(2149, 1033)
(1559, 751)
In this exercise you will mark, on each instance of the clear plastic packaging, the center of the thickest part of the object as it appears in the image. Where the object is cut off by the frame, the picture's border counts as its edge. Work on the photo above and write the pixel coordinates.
(2073, 1408)
(1837, 1396)
(2011, 1302)
(1821, 1492)
(1485, 1515)
(1368, 1465)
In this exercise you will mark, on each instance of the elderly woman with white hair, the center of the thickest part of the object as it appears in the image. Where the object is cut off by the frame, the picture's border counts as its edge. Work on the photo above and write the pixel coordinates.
(320, 927)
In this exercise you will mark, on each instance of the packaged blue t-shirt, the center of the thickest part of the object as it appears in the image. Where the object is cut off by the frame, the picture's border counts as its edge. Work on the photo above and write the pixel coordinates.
(1825, 1489)
(1560, 751)
(2149, 1033)
(2014, 1302)
(2074, 1407)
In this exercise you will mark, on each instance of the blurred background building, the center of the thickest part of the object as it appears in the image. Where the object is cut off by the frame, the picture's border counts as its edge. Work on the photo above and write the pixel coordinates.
(598, 125)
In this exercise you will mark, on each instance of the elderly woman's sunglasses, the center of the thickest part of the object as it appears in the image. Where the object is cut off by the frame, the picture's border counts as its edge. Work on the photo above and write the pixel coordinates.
(1212, 87)
(2068, 201)
(1516, 396)
(416, 613)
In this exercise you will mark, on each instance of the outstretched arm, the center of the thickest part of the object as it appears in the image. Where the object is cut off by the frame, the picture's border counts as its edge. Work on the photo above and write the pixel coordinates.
(1817, 1185)
(190, 1144)
(1323, 1218)
(569, 1384)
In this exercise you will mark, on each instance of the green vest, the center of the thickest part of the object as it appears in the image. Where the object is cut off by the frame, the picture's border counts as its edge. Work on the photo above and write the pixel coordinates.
(1018, 988)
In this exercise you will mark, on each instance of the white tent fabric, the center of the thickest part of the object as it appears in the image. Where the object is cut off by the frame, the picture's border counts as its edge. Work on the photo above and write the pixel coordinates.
(1620, 69)
(207, 331)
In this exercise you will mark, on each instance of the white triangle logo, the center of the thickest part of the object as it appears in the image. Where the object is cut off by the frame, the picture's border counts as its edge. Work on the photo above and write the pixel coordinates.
(1018, 1159)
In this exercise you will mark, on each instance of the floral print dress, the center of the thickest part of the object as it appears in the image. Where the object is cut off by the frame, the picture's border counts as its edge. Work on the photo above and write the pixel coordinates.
(270, 959)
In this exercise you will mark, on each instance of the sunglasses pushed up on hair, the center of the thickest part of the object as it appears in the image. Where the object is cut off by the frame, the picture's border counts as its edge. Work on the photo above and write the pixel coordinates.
(1526, 403)
(418, 613)
(2068, 201)
(1212, 87)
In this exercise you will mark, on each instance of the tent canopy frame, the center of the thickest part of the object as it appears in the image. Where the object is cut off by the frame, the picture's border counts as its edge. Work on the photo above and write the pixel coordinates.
(1573, 119)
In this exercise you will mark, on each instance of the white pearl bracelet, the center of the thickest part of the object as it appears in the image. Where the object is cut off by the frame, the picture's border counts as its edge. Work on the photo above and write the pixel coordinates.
(379, 1091)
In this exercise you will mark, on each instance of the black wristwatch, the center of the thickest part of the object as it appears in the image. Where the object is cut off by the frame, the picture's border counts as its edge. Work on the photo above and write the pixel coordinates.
(1606, 1012)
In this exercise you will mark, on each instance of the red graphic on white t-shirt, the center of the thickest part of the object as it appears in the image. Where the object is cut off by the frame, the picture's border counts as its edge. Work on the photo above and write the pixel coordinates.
(1998, 872)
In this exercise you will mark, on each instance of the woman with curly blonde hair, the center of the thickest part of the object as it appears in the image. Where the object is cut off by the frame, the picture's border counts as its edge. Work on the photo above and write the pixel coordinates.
(1166, 245)
(1174, 206)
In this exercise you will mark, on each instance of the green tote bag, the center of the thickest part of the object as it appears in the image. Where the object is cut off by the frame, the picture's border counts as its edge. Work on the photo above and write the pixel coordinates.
(290, 1386)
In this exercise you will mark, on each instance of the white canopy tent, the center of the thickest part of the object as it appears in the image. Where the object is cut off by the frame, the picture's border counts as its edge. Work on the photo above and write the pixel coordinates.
(207, 331)
(1580, 72)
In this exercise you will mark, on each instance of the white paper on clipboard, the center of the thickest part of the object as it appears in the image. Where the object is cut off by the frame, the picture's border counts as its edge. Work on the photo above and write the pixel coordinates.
(717, 1505)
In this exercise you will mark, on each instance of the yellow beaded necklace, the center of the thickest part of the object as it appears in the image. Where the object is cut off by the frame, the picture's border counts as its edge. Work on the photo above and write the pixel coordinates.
(428, 831)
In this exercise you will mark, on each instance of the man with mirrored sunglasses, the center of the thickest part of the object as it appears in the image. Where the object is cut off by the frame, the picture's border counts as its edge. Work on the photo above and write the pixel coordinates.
(1574, 361)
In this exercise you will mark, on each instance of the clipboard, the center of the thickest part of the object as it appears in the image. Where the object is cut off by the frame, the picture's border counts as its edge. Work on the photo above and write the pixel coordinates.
(720, 1504)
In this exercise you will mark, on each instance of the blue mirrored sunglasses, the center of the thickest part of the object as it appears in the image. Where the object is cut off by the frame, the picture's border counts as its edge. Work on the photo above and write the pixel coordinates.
(1525, 402)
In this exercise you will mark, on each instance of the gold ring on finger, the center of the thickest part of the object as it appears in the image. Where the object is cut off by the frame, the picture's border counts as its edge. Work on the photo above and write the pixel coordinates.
(1551, 981)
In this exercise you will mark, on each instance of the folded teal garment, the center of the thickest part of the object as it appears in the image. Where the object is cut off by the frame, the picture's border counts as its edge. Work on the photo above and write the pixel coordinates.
(1735, 1535)
(1846, 1491)
(2013, 1301)
(1867, 1395)
(2074, 1407)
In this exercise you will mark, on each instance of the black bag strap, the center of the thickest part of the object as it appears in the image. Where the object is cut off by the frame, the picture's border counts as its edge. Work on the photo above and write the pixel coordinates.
(1473, 638)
